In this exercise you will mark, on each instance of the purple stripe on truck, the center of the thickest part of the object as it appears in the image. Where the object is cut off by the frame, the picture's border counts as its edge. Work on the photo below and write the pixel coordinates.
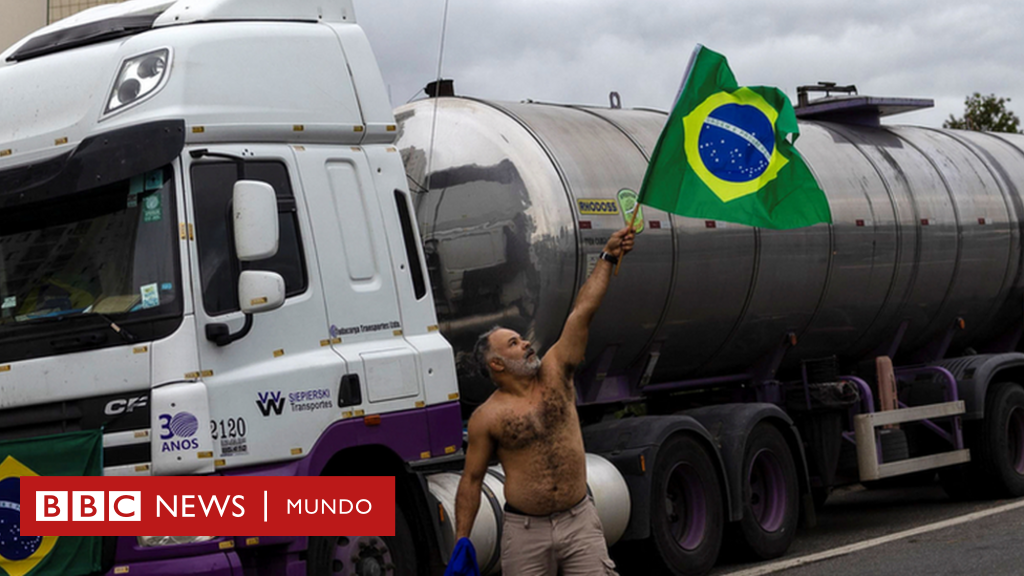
(445, 422)
(409, 434)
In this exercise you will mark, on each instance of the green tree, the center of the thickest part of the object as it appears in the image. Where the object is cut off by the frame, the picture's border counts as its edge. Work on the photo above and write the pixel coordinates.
(985, 114)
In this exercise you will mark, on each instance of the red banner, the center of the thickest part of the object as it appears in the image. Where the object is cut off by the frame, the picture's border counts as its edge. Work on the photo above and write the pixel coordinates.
(208, 505)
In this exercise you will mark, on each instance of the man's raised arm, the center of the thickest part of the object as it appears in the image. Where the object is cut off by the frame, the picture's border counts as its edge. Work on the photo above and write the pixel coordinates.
(478, 454)
(571, 346)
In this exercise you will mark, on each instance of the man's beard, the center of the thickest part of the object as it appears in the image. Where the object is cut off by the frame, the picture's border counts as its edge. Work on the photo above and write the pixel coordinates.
(526, 366)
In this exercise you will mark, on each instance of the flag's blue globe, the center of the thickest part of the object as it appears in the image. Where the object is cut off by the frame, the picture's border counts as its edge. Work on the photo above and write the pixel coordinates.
(14, 546)
(736, 142)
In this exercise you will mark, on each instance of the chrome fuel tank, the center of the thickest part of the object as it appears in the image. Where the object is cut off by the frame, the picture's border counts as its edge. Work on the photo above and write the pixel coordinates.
(513, 211)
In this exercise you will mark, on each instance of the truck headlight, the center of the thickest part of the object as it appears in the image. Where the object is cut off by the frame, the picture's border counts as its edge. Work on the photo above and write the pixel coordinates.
(139, 78)
(150, 541)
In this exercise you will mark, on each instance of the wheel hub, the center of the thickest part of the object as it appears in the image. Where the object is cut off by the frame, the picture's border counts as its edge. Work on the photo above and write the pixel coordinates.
(369, 567)
(685, 506)
(361, 556)
(767, 490)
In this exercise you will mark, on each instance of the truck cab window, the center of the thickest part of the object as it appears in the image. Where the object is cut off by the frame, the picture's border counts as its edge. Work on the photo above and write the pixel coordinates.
(106, 251)
(72, 267)
(212, 184)
(415, 266)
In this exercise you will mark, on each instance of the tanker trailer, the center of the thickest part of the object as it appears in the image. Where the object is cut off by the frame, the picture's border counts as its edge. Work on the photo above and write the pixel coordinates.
(751, 356)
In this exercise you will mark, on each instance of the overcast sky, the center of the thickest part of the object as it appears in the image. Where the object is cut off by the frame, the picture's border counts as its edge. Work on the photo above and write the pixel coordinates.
(577, 51)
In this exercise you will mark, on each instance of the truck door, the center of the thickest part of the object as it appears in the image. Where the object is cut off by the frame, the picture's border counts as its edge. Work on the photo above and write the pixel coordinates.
(274, 391)
(364, 319)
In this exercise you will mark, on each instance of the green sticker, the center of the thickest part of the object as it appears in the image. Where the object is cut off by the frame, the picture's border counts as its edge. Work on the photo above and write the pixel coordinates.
(627, 202)
(151, 211)
(155, 180)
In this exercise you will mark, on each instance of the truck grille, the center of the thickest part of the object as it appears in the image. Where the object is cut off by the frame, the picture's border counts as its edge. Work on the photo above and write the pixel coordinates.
(116, 414)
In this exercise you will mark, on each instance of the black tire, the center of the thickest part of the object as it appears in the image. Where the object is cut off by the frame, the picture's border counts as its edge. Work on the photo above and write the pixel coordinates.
(771, 495)
(996, 469)
(687, 514)
(1001, 453)
(895, 446)
(344, 555)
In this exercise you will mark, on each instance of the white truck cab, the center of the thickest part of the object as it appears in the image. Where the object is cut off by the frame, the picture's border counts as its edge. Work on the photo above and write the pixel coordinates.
(125, 132)
(208, 251)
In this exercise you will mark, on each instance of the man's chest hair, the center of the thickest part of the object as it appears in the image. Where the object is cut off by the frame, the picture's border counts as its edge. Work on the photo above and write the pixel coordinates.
(522, 424)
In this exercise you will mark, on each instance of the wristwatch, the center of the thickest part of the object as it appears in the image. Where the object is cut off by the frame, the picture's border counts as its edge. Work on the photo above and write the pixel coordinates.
(609, 258)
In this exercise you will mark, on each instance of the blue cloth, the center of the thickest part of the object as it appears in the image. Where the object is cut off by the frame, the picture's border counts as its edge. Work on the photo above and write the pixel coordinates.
(463, 560)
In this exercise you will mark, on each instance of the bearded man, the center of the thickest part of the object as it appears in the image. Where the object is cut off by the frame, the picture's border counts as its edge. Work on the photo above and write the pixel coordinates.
(530, 423)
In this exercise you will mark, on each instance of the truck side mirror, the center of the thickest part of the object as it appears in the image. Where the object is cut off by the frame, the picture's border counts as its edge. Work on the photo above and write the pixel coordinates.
(260, 291)
(255, 220)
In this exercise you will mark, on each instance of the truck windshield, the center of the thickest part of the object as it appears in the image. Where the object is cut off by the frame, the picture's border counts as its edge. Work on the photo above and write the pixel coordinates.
(109, 252)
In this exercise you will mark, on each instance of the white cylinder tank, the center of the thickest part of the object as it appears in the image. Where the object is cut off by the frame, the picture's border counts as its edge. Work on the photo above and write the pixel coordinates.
(604, 483)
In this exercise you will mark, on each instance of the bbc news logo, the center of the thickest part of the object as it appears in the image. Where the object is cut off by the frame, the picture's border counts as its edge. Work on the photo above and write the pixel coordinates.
(88, 506)
(179, 506)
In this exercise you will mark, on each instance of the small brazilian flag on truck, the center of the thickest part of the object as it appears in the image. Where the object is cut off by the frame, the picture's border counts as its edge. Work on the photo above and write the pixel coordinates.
(725, 154)
(73, 454)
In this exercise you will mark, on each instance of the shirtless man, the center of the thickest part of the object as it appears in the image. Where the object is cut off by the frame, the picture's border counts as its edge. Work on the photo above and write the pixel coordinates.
(531, 423)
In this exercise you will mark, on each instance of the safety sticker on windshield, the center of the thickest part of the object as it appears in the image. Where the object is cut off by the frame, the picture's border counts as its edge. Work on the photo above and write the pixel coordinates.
(9, 302)
(150, 296)
(151, 211)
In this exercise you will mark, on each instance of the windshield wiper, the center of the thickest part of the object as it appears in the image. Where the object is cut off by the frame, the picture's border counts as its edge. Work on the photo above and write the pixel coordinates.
(121, 331)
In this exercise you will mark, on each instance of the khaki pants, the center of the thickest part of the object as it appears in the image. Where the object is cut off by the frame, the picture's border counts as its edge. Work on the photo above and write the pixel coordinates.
(569, 543)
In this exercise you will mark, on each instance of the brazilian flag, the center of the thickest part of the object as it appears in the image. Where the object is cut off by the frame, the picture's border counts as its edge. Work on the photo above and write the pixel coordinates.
(725, 154)
(74, 454)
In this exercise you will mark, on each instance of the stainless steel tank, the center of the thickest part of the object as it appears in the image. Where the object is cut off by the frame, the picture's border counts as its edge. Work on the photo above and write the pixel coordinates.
(926, 231)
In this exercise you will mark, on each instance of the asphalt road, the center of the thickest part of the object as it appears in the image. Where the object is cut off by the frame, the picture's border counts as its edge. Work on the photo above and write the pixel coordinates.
(992, 545)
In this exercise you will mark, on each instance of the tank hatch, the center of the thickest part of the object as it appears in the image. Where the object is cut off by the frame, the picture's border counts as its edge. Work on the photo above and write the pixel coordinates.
(842, 104)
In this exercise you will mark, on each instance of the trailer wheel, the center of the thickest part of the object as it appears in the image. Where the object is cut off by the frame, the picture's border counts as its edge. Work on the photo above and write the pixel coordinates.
(364, 555)
(1001, 453)
(687, 515)
(996, 469)
(771, 505)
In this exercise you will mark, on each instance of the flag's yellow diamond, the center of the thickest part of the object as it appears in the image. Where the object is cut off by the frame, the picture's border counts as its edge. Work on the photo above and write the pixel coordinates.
(10, 469)
(730, 143)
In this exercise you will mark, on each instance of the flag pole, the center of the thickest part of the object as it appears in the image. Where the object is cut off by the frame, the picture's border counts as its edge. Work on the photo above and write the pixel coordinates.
(679, 94)
(636, 210)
